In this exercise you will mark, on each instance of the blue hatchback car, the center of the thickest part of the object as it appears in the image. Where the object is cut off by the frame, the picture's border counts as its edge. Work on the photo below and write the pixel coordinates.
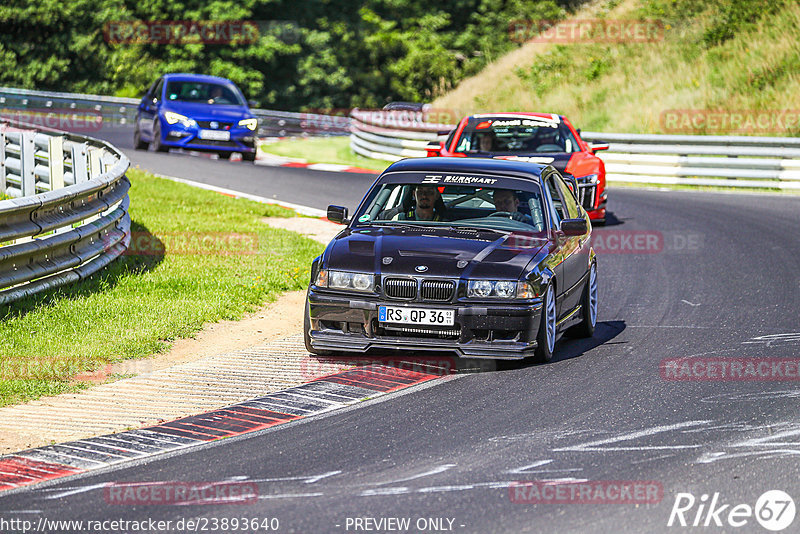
(196, 112)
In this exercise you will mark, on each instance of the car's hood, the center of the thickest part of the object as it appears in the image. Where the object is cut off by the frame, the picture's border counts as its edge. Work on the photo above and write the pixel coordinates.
(209, 111)
(559, 160)
(433, 252)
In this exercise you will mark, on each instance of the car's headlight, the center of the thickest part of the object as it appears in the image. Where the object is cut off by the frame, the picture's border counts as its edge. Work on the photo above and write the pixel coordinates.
(172, 118)
(250, 124)
(503, 289)
(589, 178)
(345, 280)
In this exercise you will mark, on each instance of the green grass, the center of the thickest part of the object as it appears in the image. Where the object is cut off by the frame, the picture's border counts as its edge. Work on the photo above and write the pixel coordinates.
(141, 302)
(323, 150)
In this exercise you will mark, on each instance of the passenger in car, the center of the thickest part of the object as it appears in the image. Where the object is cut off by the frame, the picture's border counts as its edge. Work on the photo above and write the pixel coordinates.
(428, 205)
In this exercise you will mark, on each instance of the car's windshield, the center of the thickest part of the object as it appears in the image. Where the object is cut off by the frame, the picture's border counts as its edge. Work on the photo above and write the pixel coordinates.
(513, 135)
(454, 205)
(203, 93)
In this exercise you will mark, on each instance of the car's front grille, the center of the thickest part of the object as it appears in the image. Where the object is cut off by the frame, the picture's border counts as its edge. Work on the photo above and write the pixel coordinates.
(586, 193)
(212, 142)
(437, 290)
(220, 125)
(400, 288)
(408, 331)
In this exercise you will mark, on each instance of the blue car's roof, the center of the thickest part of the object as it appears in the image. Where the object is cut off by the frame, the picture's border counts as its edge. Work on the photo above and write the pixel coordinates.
(520, 169)
(196, 77)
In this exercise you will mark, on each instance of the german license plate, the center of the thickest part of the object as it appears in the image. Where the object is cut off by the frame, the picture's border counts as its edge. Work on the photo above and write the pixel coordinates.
(215, 135)
(426, 316)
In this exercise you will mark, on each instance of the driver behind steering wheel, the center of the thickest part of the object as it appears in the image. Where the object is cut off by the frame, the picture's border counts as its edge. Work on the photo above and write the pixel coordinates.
(506, 201)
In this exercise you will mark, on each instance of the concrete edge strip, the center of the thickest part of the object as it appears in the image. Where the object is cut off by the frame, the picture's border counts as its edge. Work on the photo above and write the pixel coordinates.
(325, 394)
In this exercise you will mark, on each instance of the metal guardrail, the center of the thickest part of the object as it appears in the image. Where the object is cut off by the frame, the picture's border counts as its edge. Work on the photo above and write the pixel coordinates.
(68, 215)
(52, 109)
(738, 161)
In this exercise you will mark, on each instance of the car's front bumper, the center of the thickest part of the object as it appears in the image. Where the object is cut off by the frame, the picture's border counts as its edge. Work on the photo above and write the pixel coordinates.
(179, 136)
(503, 330)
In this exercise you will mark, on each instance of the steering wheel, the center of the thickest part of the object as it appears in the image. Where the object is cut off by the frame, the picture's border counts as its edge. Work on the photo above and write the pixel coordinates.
(506, 214)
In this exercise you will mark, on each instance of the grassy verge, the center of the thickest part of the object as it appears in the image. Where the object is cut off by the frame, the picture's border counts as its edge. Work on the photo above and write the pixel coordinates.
(199, 257)
(723, 55)
(323, 150)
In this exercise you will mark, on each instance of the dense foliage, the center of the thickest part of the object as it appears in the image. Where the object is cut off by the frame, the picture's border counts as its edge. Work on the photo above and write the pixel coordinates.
(309, 53)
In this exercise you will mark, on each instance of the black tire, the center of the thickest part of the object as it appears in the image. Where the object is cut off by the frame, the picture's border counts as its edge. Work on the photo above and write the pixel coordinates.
(138, 144)
(545, 343)
(307, 336)
(156, 143)
(249, 156)
(224, 155)
(588, 308)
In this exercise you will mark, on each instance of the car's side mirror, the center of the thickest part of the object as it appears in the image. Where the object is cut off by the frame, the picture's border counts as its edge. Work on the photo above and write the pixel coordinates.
(599, 145)
(337, 214)
(252, 103)
(434, 148)
(574, 226)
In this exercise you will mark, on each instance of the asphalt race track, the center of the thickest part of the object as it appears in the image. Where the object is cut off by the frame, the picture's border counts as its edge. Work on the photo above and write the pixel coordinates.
(712, 275)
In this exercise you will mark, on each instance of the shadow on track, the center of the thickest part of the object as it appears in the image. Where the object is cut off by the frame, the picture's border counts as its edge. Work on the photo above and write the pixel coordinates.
(568, 348)
(445, 363)
(611, 220)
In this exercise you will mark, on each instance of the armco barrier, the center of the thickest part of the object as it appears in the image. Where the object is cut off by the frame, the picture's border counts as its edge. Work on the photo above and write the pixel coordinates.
(68, 215)
(738, 161)
(51, 108)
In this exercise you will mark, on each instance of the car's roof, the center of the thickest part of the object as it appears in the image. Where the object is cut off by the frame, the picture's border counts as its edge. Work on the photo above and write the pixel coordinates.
(516, 115)
(196, 77)
(515, 168)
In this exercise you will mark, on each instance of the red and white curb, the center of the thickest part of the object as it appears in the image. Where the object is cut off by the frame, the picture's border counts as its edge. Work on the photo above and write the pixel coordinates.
(325, 394)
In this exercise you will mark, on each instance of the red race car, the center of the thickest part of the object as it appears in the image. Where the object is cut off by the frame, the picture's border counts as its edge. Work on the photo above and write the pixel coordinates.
(537, 137)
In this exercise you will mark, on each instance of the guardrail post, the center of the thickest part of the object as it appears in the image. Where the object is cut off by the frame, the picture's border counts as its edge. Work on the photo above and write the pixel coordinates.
(55, 158)
(2, 164)
(79, 170)
(95, 169)
(27, 159)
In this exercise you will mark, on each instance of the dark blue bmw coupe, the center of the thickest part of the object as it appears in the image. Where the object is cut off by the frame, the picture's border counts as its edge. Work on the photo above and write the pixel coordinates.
(196, 112)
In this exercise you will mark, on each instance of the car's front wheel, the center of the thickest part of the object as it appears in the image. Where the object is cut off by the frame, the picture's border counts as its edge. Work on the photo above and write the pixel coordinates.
(249, 156)
(138, 144)
(589, 307)
(546, 337)
(307, 334)
(157, 146)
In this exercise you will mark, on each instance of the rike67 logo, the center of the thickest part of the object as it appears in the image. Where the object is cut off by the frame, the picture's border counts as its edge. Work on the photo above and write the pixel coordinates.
(774, 510)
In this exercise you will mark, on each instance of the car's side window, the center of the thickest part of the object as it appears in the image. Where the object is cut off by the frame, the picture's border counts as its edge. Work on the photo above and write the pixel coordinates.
(571, 207)
(558, 204)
